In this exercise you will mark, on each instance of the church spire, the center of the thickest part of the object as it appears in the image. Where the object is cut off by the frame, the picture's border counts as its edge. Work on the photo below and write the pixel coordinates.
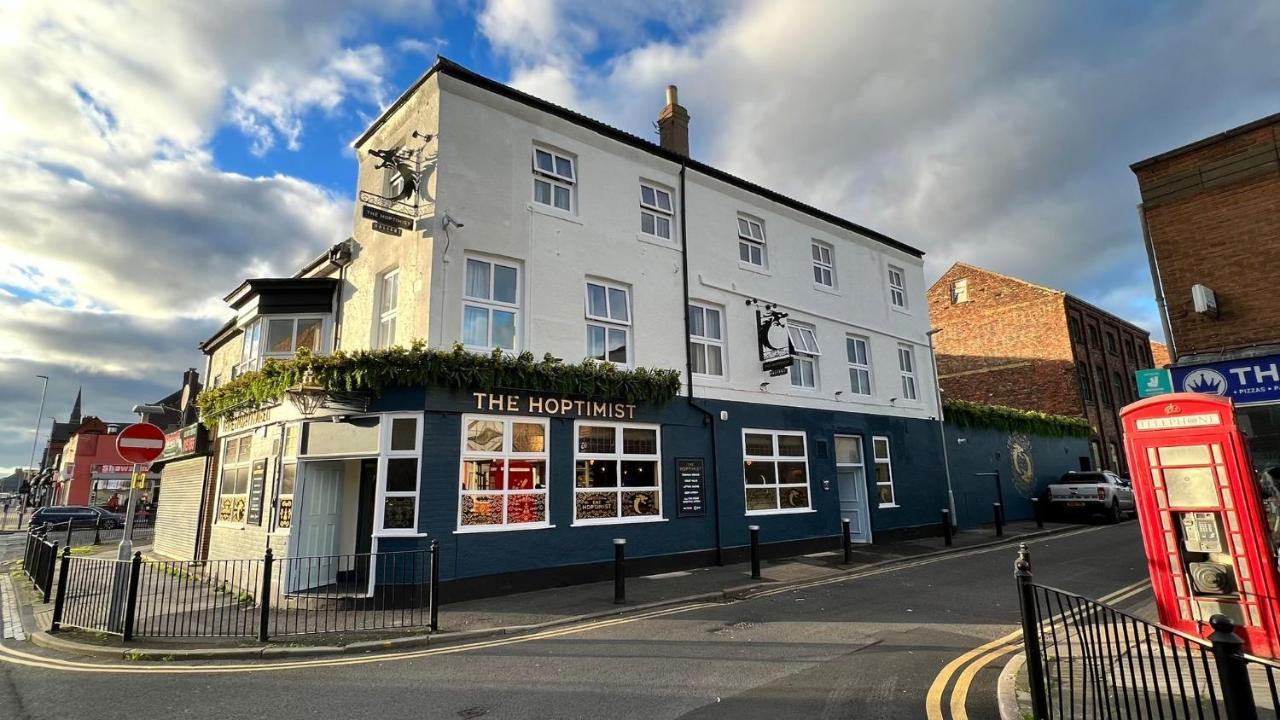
(75, 409)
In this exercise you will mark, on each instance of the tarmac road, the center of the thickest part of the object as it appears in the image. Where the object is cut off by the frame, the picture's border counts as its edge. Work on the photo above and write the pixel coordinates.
(868, 647)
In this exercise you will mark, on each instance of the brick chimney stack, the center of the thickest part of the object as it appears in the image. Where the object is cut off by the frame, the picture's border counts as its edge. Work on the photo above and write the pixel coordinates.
(673, 125)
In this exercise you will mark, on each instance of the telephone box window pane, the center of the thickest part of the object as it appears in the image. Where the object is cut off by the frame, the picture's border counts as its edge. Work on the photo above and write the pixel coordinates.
(1184, 455)
(1191, 487)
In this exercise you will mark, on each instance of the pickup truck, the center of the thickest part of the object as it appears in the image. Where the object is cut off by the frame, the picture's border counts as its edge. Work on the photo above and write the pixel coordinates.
(1089, 493)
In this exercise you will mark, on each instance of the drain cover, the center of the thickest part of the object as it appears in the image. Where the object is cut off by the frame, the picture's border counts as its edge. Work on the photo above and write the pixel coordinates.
(473, 712)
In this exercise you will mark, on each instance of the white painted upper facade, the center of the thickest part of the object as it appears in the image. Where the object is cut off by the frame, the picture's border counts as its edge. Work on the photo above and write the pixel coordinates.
(518, 270)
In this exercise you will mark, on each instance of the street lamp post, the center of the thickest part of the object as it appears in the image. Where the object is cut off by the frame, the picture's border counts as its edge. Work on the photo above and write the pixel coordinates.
(34, 442)
(942, 428)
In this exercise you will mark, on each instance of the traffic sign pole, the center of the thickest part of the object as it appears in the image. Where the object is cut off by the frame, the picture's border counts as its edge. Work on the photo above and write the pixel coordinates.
(140, 444)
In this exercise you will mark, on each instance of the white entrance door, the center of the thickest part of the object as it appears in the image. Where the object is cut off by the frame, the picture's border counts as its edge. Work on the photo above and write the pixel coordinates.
(851, 479)
(313, 542)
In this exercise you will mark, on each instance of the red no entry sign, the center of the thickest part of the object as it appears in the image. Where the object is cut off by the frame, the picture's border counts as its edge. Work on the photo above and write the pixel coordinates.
(140, 443)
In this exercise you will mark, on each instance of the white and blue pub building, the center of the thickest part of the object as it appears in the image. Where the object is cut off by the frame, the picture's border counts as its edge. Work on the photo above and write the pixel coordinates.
(490, 220)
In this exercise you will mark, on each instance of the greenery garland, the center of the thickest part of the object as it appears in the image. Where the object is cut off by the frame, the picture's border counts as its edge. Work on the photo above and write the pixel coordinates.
(998, 417)
(418, 366)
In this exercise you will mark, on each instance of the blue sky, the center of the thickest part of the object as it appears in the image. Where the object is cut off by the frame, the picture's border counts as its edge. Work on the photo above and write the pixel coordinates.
(155, 154)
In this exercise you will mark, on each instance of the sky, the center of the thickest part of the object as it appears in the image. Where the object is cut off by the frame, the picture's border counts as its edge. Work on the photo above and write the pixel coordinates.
(153, 154)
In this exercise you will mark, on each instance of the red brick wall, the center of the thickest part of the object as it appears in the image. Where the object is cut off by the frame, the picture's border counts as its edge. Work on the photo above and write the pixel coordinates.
(1006, 345)
(1221, 229)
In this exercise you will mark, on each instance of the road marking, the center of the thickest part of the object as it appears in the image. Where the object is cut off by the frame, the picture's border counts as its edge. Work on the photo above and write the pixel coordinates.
(993, 651)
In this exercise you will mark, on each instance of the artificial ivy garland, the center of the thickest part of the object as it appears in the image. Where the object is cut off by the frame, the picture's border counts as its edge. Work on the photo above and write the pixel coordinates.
(999, 417)
(418, 366)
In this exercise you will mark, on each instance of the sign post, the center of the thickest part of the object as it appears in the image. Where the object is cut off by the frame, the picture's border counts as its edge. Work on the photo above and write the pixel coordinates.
(140, 444)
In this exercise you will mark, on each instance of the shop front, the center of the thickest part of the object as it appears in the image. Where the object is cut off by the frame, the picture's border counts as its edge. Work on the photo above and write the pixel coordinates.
(1253, 384)
(523, 489)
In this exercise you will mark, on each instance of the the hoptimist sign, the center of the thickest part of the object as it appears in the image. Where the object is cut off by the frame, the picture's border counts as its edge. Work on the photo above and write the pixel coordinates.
(561, 406)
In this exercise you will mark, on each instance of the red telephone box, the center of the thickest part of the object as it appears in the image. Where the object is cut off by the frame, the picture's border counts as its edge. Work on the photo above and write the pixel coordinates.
(1209, 545)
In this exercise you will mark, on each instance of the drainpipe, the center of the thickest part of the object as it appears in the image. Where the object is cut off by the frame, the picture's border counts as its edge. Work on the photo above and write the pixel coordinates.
(1158, 282)
(942, 428)
(688, 367)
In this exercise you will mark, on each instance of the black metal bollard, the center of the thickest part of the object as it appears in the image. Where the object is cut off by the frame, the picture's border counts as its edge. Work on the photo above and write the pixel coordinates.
(1037, 513)
(946, 527)
(50, 564)
(755, 551)
(60, 599)
(998, 512)
(435, 585)
(264, 601)
(619, 571)
(97, 531)
(131, 600)
(848, 542)
(1233, 673)
(70, 525)
(1031, 633)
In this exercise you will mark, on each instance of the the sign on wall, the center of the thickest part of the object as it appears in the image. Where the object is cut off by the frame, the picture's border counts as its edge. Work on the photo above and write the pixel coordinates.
(691, 487)
(776, 351)
(257, 481)
(556, 406)
(1247, 381)
(1152, 382)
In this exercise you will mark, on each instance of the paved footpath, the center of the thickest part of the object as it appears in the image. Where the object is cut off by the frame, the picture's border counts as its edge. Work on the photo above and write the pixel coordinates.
(861, 646)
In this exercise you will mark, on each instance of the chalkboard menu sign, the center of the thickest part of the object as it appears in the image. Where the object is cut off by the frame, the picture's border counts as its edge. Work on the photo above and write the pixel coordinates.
(689, 486)
(257, 480)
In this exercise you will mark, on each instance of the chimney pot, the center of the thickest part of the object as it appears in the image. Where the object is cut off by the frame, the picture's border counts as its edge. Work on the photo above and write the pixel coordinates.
(672, 95)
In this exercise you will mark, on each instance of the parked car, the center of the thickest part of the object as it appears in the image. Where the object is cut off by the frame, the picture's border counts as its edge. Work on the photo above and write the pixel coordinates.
(79, 515)
(1092, 493)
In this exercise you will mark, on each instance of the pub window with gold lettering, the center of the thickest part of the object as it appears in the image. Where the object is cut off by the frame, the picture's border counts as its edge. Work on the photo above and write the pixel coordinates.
(233, 490)
(775, 468)
(504, 473)
(617, 473)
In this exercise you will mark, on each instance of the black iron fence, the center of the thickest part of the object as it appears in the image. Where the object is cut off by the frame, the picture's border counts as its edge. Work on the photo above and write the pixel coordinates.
(259, 598)
(38, 562)
(1087, 659)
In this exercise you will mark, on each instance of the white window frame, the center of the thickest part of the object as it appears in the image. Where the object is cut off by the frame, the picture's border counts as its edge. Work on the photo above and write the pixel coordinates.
(655, 211)
(385, 455)
(555, 179)
(619, 456)
(887, 461)
(907, 372)
(775, 458)
(960, 291)
(255, 336)
(608, 322)
(748, 228)
(804, 339)
(386, 314)
(859, 369)
(506, 454)
(489, 305)
(237, 465)
(823, 267)
(701, 344)
(897, 281)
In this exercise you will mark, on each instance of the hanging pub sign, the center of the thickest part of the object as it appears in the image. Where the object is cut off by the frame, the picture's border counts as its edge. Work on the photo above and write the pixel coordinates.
(776, 351)
(690, 487)
(385, 221)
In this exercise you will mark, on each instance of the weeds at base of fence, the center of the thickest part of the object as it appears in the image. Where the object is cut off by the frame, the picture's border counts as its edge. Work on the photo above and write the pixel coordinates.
(83, 550)
(135, 656)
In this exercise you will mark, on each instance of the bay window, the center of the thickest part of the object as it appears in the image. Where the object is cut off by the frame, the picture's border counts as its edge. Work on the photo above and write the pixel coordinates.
(775, 470)
(275, 337)
(504, 473)
(618, 473)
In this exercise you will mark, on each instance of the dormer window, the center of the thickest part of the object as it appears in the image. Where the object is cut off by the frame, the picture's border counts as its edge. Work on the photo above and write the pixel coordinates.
(279, 338)
(279, 316)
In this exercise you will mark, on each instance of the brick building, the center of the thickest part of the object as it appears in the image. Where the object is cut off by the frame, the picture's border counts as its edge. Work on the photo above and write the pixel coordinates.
(1006, 341)
(1211, 222)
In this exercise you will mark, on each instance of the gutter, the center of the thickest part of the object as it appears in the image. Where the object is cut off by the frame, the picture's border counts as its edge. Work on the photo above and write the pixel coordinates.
(709, 417)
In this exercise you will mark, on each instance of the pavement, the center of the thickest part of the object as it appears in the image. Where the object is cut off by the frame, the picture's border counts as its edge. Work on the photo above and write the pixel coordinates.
(530, 611)
(869, 644)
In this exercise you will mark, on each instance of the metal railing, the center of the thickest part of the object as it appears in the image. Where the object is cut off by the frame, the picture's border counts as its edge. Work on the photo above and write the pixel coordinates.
(1087, 659)
(259, 598)
(38, 562)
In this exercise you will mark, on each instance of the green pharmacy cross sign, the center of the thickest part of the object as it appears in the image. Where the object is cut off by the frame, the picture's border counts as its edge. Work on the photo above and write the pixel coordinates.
(1154, 382)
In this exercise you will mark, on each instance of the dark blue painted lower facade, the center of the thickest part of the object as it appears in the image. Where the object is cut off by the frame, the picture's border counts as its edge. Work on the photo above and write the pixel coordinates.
(686, 432)
(1026, 463)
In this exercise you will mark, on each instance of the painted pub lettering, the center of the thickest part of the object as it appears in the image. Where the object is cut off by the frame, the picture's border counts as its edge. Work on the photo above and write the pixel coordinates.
(562, 406)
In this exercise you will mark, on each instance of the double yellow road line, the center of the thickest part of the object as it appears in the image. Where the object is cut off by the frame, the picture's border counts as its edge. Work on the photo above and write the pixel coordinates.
(980, 657)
